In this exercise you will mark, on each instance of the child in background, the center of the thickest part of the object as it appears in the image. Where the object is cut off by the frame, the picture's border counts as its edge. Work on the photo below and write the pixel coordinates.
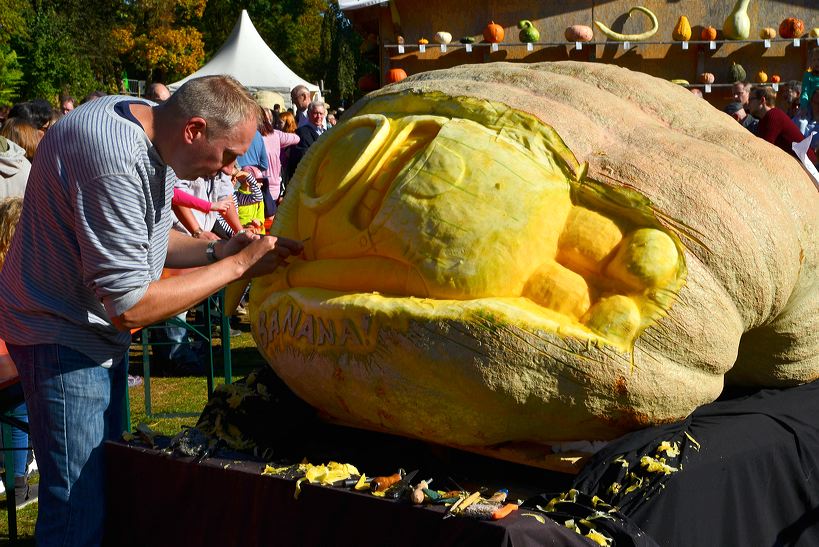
(10, 209)
(250, 200)
(810, 83)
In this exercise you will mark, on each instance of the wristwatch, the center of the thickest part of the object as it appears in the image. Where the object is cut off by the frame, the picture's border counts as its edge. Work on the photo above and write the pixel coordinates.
(210, 252)
(197, 232)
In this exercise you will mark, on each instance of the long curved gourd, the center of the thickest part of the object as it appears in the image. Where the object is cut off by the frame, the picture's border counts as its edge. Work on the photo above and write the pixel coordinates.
(632, 37)
(503, 257)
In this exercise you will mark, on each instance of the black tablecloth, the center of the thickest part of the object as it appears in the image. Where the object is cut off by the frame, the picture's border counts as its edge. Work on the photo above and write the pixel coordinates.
(747, 473)
(159, 500)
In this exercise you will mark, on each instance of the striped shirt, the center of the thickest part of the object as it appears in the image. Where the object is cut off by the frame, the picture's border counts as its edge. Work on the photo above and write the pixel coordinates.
(92, 236)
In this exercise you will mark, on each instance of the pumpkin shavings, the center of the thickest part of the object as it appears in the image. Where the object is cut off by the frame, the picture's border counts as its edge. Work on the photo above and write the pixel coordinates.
(671, 450)
(536, 517)
(657, 466)
(693, 440)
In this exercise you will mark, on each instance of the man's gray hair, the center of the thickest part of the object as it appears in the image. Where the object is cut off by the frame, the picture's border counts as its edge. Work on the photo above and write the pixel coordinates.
(221, 100)
(298, 90)
(315, 104)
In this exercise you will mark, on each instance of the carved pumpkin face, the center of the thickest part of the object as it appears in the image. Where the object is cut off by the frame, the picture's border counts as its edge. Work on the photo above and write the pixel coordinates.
(468, 281)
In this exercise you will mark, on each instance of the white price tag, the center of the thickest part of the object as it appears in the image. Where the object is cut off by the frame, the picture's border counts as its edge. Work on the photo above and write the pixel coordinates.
(578, 46)
(422, 48)
(767, 43)
(494, 46)
(626, 45)
(530, 46)
(708, 88)
(775, 87)
(685, 46)
(400, 49)
(443, 48)
(468, 48)
(797, 42)
(712, 45)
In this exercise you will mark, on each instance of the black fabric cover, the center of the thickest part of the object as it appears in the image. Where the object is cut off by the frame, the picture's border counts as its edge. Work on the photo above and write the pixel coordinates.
(748, 475)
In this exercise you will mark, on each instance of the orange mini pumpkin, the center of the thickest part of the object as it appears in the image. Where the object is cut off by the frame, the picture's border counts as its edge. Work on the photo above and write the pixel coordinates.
(493, 33)
(776, 78)
(708, 34)
(395, 75)
(791, 27)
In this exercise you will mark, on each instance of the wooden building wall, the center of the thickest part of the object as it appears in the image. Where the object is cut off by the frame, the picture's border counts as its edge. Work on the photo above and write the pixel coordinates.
(659, 56)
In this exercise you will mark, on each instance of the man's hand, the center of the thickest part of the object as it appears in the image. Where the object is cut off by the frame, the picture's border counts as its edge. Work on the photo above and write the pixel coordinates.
(209, 235)
(264, 254)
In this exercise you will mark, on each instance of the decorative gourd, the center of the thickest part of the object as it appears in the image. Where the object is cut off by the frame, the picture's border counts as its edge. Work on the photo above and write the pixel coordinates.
(423, 41)
(737, 25)
(368, 82)
(706, 78)
(814, 32)
(762, 76)
(528, 33)
(494, 261)
(632, 37)
(736, 73)
(791, 27)
(579, 33)
(708, 34)
(467, 40)
(442, 37)
(768, 33)
(395, 75)
(493, 33)
(776, 78)
(681, 81)
(399, 39)
(682, 30)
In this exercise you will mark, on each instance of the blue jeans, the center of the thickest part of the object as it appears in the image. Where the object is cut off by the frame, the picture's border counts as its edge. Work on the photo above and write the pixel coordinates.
(74, 404)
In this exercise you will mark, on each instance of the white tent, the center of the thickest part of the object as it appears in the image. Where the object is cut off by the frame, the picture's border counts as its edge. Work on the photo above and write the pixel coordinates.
(246, 57)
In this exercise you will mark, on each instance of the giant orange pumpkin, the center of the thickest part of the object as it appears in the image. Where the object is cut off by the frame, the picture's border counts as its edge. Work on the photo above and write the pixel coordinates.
(505, 257)
(395, 75)
(493, 33)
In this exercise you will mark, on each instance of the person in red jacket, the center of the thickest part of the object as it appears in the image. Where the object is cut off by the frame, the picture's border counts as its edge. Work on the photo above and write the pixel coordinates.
(774, 124)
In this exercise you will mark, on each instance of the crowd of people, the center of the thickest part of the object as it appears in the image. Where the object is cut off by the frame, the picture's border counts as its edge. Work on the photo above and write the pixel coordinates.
(784, 117)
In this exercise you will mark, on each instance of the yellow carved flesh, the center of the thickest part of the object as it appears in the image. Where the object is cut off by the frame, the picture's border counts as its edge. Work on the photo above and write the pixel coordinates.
(456, 204)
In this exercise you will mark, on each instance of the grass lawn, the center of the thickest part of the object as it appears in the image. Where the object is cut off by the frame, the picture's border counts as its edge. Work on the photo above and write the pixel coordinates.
(176, 402)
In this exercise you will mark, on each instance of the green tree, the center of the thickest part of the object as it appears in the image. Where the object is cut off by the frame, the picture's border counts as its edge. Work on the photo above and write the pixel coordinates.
(11, 75)
(339, 52)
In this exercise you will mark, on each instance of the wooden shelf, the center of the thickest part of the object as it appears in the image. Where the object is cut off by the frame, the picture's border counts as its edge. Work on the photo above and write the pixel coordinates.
(797, 42)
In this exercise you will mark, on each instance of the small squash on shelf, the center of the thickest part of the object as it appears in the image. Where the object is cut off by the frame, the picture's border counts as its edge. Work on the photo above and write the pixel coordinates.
(682, 30)
(395, 75)
(708, 34)
(768, 33)
(706, 78)
(791, 27)
(442, 37)
(528, 32)
(467, 40)
(776, 78)
(736, 73)
(762, 76)
(814, 32)
(423, 41)
(493, 33)
(579, 33)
